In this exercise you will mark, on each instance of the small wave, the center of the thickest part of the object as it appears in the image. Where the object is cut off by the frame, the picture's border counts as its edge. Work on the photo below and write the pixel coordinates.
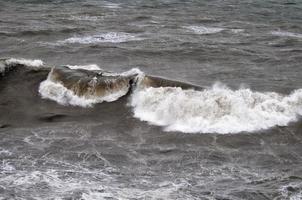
(203, 30)
(215, 110)
(26, 62)
(286, 34)
(7, 64)
(111, 37)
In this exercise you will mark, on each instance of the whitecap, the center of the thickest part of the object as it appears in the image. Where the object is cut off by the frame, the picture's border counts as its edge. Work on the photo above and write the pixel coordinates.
(84, 18)
(111, 37)
(36, 64)
(236, 30)
(112, 5)
(286, 34)
(90, 67)
(215, 110)
(7, 64)
(203, 30)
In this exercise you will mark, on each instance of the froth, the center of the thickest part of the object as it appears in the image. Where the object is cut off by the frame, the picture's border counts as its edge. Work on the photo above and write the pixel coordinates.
(215, 110)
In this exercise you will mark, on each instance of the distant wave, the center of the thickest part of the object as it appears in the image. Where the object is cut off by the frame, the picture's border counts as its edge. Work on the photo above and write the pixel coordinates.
(286, 34)
(219, 109)
(111, 37)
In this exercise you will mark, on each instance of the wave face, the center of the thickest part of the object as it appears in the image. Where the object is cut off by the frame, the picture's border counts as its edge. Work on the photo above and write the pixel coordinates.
(215, 110)
(84, 88)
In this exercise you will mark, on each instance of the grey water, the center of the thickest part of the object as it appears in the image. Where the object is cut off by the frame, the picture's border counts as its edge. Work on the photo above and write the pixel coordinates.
(50, 151)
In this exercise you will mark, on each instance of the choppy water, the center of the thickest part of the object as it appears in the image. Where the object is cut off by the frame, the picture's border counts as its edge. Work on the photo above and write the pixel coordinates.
(236, 139)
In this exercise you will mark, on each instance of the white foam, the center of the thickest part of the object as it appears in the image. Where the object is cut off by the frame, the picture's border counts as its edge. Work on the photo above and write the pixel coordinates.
(36, 64)
(111, 37)
(90, 67)
(286, 34)
(204, 30)
(215, 110)
(293, 195)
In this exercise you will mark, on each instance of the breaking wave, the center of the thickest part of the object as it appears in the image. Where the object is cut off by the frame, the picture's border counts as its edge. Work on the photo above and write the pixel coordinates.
(215, 110)
(174, 105)
(67, 86)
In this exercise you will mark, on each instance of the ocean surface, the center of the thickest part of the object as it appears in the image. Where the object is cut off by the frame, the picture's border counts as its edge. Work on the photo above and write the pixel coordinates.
(161, 99)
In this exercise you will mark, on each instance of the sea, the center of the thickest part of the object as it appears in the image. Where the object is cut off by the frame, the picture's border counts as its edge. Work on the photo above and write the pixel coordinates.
(150, 100)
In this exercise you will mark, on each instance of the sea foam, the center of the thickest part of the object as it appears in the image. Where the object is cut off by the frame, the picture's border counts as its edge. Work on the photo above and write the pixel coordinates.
(215, 110)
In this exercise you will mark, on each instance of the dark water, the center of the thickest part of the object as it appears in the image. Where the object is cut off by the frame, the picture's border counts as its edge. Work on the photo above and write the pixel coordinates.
(50, 151)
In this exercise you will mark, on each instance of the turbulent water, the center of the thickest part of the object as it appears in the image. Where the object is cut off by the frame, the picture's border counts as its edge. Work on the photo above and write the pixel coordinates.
(146, 99)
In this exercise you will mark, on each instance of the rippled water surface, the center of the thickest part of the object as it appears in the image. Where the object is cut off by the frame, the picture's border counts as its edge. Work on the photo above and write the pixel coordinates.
(240, 138)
